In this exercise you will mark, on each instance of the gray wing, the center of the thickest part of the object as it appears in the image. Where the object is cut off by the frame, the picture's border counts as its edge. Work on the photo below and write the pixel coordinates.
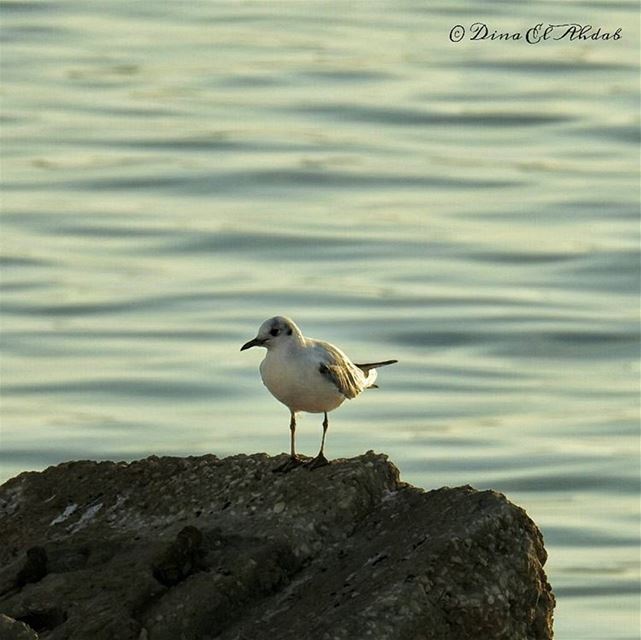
(337, 368)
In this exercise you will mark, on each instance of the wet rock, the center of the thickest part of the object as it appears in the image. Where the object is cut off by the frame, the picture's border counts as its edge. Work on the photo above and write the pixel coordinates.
(199, 548)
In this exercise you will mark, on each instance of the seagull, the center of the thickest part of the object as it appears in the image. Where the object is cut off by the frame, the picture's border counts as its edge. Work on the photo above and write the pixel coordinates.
(308, 375)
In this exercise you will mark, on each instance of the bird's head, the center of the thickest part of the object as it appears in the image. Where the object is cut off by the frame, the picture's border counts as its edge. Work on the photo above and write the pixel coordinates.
(274, 333)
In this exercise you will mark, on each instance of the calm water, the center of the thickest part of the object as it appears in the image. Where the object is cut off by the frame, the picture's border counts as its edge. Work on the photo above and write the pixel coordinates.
(175, 173)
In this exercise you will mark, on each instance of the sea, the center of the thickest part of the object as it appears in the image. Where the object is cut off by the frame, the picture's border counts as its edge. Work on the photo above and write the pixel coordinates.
(454, 185)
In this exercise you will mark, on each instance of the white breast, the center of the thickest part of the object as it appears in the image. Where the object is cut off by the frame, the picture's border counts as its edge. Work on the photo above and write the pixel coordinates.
(294, 379)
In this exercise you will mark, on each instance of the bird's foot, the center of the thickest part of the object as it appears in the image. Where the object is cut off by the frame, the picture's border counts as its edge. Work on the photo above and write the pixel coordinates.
(315, 463)
(290, 464)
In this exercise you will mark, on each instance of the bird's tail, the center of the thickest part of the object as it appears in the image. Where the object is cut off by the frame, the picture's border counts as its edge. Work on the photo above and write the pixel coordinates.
(365, 368)
(369, 369)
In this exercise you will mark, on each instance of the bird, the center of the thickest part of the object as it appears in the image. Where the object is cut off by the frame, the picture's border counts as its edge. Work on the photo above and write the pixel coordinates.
(308, 375)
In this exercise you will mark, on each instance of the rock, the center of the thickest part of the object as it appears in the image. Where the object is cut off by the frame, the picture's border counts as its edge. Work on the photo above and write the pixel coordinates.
(34, 568)
(31, 568)
(181, 558)
(11, 629)
(202, 547)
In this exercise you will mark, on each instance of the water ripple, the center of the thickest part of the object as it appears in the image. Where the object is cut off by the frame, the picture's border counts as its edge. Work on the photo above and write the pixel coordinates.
(171, 391)
(415, 117)
(244, 182)
(549, 66)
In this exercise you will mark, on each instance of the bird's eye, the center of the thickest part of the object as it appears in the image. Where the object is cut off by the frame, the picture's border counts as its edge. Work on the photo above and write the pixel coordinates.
(274, 332)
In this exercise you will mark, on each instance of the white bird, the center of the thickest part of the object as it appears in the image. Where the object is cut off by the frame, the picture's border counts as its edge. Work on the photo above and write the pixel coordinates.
(308, 375)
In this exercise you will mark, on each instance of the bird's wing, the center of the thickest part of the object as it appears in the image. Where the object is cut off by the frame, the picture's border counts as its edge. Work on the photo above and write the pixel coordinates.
(338, 369)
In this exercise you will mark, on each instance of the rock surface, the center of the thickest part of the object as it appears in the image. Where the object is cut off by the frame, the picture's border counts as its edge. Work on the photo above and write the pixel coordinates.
(199, 548)
(11, 629)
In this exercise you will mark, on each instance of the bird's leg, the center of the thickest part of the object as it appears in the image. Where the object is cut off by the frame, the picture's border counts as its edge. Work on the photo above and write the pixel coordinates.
(293, 461)
(292, 436)
(320, 460)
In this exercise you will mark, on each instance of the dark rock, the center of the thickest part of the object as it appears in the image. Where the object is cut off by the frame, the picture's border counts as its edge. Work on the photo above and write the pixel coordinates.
(11, 629)
(31, 568)
(181, 558)
(34, 568)
(200, 548)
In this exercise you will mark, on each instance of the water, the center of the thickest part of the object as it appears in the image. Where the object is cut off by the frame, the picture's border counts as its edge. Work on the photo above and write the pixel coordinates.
(175, 173)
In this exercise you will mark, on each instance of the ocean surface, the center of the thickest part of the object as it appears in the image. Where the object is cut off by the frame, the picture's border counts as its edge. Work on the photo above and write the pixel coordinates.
(175, 173)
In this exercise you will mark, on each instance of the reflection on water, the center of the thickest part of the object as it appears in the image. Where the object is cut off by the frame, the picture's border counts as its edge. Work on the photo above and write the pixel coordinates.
(173, 177)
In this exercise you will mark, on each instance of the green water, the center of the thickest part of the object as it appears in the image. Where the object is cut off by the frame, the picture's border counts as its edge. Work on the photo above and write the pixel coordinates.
(175, 173)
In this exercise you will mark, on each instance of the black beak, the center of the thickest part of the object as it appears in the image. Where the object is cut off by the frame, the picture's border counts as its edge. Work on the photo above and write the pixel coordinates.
(256, 342)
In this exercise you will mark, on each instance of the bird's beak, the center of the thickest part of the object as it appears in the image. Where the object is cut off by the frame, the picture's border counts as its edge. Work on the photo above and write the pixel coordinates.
(256, 342)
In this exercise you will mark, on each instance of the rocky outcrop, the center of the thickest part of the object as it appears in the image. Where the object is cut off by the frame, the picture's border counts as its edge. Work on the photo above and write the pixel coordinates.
(199, 548)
